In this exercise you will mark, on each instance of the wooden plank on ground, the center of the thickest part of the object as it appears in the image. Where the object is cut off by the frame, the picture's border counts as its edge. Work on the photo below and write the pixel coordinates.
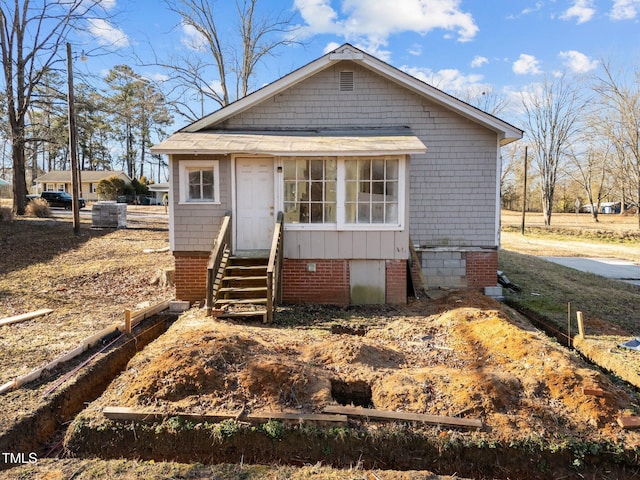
(629, 422)
(126, 413)
(593, 391)
(25, 316)
(404, 416)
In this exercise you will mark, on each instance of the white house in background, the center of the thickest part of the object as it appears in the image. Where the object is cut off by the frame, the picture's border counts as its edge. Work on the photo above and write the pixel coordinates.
(158, 190)
(60, 181)
(364, 161)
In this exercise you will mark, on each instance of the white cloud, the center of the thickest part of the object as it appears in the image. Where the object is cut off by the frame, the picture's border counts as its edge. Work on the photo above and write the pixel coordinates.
(372, 22)
(192, 38)
(582, 10)
(578, 62)
(108, 4)
(450, 80)
(415, 50)
(479, 61)
(625, 9)
(526, 64)
(107, 34)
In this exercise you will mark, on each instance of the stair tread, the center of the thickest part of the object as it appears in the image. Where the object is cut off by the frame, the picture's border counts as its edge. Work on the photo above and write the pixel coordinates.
(248, 313)
(246, 267)
(239, 277)
(230, 301)
(242, 289)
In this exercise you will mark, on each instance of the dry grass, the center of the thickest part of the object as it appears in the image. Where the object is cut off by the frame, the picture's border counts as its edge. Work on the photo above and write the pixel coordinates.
(38, 207)
(88, 280)
(139, 470)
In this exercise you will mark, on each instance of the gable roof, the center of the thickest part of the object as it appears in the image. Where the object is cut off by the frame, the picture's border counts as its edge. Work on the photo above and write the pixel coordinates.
(92, 176)
(507, 133)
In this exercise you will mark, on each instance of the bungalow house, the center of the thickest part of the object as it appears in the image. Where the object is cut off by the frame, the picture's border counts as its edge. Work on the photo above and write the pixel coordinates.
(60, 181)
(366, 164)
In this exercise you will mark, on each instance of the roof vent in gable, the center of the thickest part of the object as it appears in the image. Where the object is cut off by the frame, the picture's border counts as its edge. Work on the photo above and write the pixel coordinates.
(346, 81)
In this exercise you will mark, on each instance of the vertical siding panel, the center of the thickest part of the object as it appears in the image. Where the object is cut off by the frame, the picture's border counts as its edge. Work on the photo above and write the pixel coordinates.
(374, 246)
(345, 245)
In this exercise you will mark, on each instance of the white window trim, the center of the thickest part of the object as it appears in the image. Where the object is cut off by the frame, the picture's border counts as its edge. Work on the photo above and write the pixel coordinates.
(341, 225)
(185, 166)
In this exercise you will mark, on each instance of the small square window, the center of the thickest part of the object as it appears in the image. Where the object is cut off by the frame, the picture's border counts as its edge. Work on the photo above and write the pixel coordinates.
(199, 181)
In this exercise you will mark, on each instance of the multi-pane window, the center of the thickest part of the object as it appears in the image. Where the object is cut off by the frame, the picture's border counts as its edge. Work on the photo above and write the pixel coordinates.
(346, 192)
(371, 191)
(201, 184)
(199, 181)
(310, 190)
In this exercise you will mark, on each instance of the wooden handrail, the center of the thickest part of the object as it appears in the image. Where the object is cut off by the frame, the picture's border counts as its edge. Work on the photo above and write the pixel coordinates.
(274, 268)
(222, 243)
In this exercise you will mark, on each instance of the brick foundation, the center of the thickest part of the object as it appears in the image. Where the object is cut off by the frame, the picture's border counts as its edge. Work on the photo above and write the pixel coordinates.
(482, 269)
(328, 284)
(191, 276)
(396, 282)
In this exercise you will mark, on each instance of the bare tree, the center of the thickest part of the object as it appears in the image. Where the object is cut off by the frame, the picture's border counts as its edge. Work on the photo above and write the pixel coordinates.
(486, 99)
(216, 65)
(32, 33)
(552, 117)
(591, 168)
(622, 99)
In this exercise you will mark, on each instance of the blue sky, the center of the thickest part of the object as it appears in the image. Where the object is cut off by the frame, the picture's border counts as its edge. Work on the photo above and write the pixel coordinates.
(502, 45)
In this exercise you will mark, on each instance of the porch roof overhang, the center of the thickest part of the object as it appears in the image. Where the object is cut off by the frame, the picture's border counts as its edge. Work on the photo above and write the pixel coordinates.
(294, 143)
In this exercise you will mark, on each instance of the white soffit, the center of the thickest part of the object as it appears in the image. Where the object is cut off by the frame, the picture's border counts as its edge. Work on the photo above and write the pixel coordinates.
(282, 143)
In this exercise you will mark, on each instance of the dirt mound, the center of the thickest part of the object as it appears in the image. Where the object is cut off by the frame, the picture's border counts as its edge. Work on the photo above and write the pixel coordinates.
(482, 362)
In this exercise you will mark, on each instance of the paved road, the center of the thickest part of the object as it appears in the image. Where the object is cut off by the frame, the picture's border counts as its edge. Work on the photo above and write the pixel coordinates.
(607, 267)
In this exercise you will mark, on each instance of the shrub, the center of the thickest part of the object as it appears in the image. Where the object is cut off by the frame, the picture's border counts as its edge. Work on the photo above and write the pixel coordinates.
(38, 207)
(6, 215)
(110, 188)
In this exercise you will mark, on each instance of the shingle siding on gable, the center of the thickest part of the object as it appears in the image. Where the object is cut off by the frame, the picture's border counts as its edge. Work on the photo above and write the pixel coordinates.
(452, 187)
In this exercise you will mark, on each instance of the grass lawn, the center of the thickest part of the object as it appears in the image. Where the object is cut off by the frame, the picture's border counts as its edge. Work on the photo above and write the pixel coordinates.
(611, 308)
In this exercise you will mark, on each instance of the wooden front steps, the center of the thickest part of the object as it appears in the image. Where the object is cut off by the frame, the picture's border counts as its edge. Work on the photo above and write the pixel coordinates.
(242, 291)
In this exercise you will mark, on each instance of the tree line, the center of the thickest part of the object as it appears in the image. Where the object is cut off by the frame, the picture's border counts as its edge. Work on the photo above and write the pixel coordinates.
(128, 113)
(583, 139)
(131, 110)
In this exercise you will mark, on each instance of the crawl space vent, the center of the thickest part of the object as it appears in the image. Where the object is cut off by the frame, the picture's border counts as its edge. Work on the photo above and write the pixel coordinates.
(346, 81)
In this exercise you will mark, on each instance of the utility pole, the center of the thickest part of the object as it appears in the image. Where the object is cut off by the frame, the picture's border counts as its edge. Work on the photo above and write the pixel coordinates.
(524, 191)
(73, 154)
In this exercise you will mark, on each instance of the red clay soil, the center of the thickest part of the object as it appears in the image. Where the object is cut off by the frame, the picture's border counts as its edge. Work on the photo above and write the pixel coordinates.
(464, 356)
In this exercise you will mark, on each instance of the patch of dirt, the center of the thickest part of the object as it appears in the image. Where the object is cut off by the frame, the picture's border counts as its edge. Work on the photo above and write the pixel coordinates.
(481, 361)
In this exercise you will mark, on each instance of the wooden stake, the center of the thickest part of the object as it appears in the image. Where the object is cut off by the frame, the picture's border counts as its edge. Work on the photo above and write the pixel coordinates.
(569, 324)
(127, 321)
(580, 324)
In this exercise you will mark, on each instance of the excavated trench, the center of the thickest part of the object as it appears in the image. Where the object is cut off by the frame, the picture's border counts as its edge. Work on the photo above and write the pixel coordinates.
(41, 431)
(363, 442)
(403, 446)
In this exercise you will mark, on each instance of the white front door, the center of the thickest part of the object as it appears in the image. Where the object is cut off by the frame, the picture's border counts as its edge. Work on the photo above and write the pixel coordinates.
(254, 203)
